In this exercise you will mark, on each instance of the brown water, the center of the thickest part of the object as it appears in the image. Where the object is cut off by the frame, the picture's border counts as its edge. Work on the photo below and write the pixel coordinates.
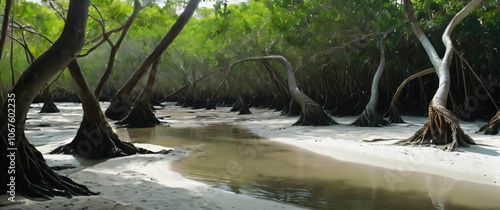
(236, 160)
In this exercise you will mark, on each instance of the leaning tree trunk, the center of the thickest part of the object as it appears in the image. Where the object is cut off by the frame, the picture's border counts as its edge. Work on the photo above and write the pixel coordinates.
(312, 113)
(95, 138)
(121, 104)
(393, 112)
(442, 127)
(5, 25)
(33, 177)
(370, 117)
(3, 37)
(48, 102)
(141, 115)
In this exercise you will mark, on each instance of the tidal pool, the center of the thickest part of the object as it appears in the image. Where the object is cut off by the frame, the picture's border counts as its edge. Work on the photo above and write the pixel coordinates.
(233, 159)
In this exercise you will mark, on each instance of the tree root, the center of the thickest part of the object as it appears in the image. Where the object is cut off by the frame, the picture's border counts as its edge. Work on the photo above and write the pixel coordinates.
(140, 116)
(370, 118)
(492, 127)
(394, 115)
(37, 180)
(313, 114)
(98, 141)
(442, 129)
(119, 108)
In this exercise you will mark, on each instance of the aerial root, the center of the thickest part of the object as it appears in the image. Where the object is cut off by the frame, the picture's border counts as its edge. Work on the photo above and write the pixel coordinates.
(98, 141)
(313, 114)
(394, 115)
(493, 126)
(140, 116)
(442, 130)
(370, 118)
(44, 182)
(119, 108)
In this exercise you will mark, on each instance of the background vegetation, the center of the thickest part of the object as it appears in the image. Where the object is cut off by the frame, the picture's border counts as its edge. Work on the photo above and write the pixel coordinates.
(325, 40)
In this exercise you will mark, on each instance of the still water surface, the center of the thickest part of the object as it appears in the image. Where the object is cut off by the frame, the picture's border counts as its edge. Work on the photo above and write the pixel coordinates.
(236, 160)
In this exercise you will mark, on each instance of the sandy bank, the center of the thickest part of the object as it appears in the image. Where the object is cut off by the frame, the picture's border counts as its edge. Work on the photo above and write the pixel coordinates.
(478, 163)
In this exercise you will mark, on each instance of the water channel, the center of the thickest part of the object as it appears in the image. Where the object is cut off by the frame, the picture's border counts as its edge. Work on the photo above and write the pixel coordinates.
(236, 160)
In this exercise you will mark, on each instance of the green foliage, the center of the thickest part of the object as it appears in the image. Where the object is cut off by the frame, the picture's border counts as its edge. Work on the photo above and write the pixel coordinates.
(307, 32)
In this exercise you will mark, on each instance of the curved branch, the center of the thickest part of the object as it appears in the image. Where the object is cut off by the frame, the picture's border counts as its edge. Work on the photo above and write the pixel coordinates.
(193, 83)
(115, 47)
(312, 113)
(393, 113)
(121, 98)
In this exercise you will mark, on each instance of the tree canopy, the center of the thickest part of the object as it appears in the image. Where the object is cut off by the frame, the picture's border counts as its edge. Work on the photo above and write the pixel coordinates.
(328, 42)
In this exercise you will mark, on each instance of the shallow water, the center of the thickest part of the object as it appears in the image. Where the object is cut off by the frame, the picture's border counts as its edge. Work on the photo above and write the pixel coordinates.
(236, 160)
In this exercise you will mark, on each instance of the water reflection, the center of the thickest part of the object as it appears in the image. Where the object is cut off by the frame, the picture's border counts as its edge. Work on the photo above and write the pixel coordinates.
(238, 161)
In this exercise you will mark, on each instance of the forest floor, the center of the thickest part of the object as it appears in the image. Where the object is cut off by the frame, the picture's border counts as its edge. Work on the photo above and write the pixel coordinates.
(148, 182)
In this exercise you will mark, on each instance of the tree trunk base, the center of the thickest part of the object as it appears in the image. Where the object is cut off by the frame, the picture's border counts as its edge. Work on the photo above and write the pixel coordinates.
(313, 114)
(98, 141)
(370, 118)
(236, 107)
(198, 104)
(210, 106)
(394, 115)
(38, 180)
(119, 108)
(49, 107)
(244, 110)
(492, 127)
(140, 116)
(442, 130)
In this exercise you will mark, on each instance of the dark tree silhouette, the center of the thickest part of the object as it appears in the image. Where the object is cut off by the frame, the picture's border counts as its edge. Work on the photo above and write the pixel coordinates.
(393, 112)
(141, 115)
(48, 102)
(33, 177)
(3, 37)
(115, 47)
(95, 138)
(121, 103)
(312, 113)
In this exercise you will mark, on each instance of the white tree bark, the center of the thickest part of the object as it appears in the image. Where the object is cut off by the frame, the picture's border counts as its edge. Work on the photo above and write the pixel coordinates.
(372, 103)
(443, 70)
(442, 66)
